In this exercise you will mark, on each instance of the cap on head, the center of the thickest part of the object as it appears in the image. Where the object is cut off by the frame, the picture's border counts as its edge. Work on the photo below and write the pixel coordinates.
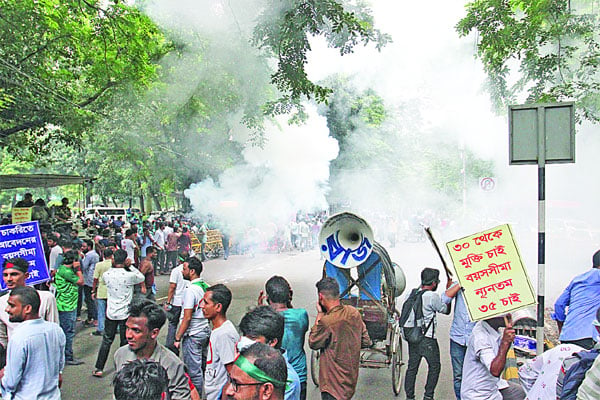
(596, 259)
(16, 263)
(429, 276)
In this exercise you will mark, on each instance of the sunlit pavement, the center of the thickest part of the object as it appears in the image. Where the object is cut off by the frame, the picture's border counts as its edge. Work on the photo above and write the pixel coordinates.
(245, 276)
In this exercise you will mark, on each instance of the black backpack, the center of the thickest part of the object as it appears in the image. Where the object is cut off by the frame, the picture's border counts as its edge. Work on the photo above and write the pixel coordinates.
(414, 303)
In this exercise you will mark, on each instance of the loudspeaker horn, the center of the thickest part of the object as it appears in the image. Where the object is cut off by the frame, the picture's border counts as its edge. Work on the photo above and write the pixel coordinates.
(346, 240)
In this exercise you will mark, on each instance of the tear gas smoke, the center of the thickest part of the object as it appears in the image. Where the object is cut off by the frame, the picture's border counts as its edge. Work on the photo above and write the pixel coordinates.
(427, 68)
(288, 174)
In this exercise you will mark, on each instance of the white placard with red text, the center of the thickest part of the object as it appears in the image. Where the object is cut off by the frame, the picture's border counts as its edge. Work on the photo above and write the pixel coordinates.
(489, 268)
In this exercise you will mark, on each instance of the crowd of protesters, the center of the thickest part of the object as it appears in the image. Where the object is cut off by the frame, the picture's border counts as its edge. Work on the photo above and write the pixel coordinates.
(206, 356)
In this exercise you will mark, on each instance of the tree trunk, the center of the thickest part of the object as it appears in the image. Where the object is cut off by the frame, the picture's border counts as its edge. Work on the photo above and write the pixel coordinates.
(142, 206)
(156, 201)
(88, 194)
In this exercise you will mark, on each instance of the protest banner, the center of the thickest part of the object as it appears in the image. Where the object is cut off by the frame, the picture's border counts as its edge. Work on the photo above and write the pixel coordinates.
(21, 214)
(489, 268)
(24, 241)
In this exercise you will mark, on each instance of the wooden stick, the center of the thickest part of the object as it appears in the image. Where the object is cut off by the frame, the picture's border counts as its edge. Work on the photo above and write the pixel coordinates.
(437, 249)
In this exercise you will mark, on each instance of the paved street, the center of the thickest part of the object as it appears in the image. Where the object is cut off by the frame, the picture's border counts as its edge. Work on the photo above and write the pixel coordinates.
(245, 276)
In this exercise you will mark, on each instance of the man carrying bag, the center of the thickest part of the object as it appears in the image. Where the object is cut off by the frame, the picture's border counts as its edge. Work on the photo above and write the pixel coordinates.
(418, 322)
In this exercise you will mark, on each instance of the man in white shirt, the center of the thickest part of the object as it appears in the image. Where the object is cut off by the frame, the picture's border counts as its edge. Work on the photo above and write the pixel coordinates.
(119, 281)
(55, 250)
(194, 331)
(36, 354)
(129, 244)
(177, 284)
(485, 361)
(428, 348)
(224, 336)
(539, 375)
(160, 238)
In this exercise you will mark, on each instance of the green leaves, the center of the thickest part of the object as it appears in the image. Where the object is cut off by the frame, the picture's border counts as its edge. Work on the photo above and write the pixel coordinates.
(284, 29)
(59, 60)
(552, 50)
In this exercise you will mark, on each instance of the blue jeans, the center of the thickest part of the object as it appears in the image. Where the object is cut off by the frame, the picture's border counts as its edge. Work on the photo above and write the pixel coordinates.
(194, 350)
(101, 307)
(457, 357)
(67, 321)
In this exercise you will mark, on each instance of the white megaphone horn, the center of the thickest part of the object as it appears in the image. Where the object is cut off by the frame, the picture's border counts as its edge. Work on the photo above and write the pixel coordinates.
(346, 240)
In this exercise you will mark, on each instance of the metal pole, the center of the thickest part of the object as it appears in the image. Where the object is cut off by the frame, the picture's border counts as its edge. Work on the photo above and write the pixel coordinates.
(541, 229)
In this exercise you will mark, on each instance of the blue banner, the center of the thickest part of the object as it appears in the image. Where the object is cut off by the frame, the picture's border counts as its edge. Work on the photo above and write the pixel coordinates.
(24, 240)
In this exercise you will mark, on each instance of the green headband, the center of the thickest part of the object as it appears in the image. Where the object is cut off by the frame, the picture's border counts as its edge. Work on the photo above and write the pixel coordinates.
(256, 373)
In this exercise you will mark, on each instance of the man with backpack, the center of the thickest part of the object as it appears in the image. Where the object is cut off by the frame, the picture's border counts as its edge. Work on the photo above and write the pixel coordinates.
(418, 321)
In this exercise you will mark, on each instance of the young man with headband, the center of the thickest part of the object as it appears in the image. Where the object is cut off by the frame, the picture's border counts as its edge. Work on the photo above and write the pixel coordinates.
(259, 373)
(264, 325)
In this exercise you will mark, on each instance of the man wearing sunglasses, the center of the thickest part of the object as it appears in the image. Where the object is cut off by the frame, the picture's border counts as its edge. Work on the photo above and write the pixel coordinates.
(259, 373)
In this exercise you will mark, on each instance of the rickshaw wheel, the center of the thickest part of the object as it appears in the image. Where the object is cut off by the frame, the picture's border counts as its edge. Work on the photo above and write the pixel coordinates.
(314, 367)
(397, 360)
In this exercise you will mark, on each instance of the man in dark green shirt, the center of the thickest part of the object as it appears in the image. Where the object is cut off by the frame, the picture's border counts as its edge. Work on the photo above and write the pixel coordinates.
(67, 280)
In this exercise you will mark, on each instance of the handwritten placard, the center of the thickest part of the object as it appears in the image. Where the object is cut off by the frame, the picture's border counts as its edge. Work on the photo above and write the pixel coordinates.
(24, 241)
(490, 270)
(21, 214)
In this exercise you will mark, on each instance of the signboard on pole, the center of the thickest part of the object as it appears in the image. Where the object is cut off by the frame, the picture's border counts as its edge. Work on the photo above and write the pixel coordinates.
(24, 241)
(21, 214)
(556, 121)
(489, 268)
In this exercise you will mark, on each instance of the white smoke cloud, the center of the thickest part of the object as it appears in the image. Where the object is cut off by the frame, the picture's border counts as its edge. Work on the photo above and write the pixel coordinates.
(428, 62)
(429, 65)
(288, 174)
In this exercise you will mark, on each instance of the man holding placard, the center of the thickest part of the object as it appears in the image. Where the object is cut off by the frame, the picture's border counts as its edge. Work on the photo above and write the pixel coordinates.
(495, 282)
(485, 360)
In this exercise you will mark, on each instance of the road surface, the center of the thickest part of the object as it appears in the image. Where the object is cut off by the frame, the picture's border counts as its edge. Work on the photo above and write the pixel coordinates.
(245, 276)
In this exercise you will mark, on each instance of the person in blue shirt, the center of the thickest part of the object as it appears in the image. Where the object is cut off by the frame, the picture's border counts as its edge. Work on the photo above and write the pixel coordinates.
(264, 325)
(279, 298)
(460, 331)
(36, 351)
(582, 297)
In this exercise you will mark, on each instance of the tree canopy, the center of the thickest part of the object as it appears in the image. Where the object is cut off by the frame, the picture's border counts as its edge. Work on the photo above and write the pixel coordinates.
(545, 50)
(385, 150)
(60, 60)
(101, 89)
